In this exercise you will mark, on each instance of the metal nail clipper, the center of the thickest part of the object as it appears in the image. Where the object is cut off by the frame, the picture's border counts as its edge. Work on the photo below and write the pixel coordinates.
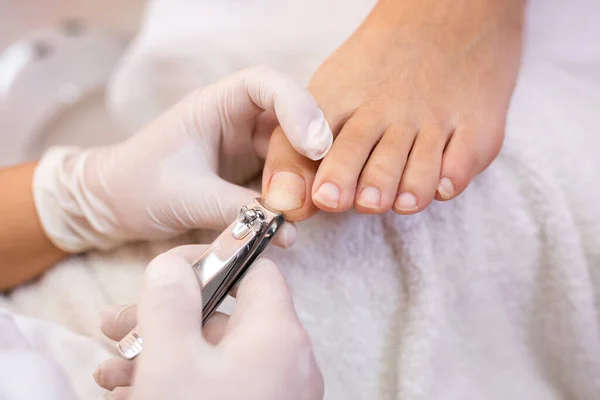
(223, 264)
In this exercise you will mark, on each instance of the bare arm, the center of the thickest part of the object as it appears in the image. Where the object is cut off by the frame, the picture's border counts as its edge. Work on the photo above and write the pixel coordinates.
(25, 251)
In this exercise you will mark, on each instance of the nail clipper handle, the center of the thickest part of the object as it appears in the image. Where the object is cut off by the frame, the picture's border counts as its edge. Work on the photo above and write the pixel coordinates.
(131, 345)
(214, 289)
(224, 263)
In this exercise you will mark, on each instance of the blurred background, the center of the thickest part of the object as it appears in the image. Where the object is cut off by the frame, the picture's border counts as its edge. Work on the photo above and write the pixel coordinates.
(56, 57)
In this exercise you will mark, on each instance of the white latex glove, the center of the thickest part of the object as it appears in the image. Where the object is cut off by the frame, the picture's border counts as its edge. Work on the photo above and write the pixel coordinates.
(181, 171)
(261, 352)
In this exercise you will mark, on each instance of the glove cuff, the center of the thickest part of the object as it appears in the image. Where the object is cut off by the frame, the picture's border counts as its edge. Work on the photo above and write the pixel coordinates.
(68, 212)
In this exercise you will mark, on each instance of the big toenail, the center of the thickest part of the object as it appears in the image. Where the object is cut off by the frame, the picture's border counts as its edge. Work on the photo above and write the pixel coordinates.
(328, 195)
(406, 202)
(286, 191)
(445, 188)
(370, 197)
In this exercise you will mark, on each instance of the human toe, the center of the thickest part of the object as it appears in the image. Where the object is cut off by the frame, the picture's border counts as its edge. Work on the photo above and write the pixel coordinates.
(334, 187)
(421, 175)
(379, 180)
(466, 155)
(287, 179)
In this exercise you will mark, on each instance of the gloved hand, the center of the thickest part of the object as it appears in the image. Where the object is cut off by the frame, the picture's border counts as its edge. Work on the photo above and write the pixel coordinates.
(261, 352)
(181, 171)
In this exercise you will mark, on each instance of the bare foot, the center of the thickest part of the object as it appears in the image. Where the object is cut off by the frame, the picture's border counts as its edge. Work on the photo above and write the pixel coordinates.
(417, 97)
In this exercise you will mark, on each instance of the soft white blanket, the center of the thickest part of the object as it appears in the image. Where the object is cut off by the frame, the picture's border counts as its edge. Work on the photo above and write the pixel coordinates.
(42, 360)
(491, 296)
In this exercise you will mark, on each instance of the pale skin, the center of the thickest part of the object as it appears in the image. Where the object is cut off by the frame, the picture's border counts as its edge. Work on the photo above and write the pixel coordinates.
(417, 98)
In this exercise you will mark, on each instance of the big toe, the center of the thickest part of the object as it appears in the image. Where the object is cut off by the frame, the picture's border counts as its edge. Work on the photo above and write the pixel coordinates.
(287, 179)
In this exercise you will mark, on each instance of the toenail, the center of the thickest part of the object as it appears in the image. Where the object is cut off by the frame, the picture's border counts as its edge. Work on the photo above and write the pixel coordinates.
(406, 202)
(370, 197)
(445, 188)
(328, 195)
(286, 191)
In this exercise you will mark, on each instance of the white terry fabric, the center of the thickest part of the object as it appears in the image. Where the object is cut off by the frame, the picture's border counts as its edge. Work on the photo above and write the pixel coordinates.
(493, 295)
(42, 360)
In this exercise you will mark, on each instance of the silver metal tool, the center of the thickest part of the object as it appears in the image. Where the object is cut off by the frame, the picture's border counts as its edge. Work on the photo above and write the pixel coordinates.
(224, 263)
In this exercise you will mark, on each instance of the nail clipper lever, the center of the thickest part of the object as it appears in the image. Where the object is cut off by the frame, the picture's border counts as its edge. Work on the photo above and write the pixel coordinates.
(224, 263)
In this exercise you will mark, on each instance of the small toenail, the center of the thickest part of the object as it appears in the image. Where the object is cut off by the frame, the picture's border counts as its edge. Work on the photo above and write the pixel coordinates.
(286, 191)
(370, 197)
(406, 202)
(445, 188)
(328, 195)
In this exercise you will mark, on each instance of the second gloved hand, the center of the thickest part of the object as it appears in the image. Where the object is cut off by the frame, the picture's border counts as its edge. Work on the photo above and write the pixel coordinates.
(182, 171)
(260, 352)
